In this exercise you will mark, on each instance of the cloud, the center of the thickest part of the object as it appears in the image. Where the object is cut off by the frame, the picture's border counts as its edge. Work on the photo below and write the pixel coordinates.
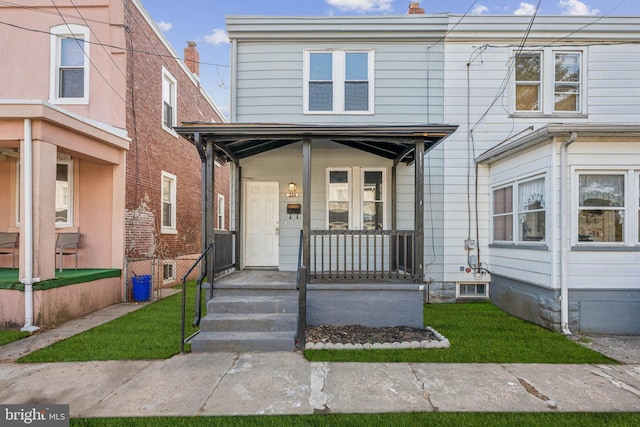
(525, 9)
(361, 5)
(576, 7)
(479, 9)
(218, 36)
(165, 26)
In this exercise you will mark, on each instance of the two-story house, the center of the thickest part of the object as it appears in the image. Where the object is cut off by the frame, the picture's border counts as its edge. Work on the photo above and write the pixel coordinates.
(532, 202)
(91, 92)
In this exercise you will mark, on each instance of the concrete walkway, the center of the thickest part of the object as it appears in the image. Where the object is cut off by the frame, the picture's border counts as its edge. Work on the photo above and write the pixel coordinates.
(286, 383)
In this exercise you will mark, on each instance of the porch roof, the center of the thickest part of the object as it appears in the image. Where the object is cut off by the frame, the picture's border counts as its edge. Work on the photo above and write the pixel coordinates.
(235, 141)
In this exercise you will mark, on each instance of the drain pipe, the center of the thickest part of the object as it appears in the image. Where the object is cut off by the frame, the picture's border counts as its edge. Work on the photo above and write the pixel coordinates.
(27, 148)
(564, 238)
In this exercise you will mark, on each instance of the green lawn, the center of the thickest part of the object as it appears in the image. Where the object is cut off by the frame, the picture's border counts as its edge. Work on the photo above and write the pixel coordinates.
(478, 333)
(382, 420)
(9, 336)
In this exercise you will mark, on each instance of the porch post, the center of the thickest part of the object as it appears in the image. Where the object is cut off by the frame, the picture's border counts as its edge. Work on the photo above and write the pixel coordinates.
(210, 214)
(238, 210)
(306, 202)
(419, 211)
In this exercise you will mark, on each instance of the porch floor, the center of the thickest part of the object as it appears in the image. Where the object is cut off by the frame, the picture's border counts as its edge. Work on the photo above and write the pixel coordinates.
(9, 277)
(255, 278)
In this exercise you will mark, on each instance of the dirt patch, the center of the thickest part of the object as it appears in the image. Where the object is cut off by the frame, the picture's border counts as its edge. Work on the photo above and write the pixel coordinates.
(358, 334)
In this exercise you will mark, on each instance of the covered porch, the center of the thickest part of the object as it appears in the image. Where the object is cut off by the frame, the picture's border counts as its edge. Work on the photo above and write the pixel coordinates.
(336, 206)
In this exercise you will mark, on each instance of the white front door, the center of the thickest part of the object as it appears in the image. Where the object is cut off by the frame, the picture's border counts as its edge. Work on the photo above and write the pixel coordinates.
(262, 224)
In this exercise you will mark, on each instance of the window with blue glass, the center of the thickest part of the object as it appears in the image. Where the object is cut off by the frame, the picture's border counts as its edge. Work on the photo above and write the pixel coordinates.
(338, 82)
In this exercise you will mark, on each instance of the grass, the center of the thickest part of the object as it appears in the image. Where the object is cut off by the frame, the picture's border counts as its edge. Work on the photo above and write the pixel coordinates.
(478, 333)
(402, 419)
(152, 332)
(9, 336)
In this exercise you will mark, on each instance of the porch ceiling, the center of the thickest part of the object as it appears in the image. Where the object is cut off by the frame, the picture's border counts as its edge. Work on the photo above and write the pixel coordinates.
(233, 142)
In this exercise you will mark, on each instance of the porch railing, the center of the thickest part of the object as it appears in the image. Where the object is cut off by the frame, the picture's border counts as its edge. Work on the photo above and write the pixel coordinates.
(362, 254)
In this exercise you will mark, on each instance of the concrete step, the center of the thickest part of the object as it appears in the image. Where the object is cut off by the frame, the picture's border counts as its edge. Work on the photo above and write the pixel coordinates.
(243, 341)
(250, 322)
(239, 304)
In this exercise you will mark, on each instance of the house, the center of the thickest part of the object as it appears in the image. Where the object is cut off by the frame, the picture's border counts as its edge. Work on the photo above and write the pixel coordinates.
(546, 147)
(91, 93)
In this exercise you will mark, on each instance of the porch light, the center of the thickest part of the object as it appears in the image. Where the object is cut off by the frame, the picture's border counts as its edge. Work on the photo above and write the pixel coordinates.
(292, 190)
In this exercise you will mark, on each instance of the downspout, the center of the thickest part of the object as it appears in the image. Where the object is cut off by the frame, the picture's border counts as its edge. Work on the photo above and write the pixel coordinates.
(27, 148)
(564, 238)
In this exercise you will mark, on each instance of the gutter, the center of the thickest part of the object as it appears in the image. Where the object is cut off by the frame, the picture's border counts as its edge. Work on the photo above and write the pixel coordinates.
(28, 280)
(565, 236)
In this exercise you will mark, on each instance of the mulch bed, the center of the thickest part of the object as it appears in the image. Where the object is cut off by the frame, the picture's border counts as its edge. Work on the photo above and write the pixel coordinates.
(358, 334)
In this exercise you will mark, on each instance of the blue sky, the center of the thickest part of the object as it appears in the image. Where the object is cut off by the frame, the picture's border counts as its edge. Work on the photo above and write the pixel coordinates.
(203, 21)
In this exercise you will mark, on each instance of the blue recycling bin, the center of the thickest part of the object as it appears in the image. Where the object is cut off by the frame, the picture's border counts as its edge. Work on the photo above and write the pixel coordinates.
(141, 288)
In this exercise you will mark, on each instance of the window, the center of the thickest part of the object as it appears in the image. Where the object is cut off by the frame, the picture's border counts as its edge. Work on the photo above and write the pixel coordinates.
(220, 216)
(601, 208)
(168, 271)
(69, 81)
(472, 290)
(356, 199)
(519, 210)
(339, 82)
(549, 82)
(168, 203)
(64, 193)
(169, 113)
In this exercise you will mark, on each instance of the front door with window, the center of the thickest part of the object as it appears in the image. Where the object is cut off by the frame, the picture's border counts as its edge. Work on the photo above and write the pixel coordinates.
(262, 224)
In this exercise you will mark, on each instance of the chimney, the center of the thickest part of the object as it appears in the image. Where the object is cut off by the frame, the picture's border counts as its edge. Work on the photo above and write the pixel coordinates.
(415, 9)
(192, 58)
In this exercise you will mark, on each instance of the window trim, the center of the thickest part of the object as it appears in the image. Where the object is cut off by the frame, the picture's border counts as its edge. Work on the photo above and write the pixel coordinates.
(57, 33)
(70, 165)
(339, 80)
(172, 229)
(516, 211)
(173, 97)
(630, 239)
(547, 83)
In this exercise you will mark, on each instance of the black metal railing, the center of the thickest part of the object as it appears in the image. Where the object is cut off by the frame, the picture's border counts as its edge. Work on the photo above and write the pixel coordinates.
(362, 254)
(223, 259)
(301, 285)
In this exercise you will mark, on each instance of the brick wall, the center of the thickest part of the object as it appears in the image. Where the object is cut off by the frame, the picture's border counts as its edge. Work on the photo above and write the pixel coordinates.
(153, 149)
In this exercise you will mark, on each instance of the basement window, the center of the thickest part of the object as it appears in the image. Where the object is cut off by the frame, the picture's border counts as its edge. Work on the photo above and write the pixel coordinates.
(472, 290)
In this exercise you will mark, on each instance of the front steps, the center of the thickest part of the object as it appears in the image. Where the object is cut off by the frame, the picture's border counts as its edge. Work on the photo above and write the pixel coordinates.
(240, 319)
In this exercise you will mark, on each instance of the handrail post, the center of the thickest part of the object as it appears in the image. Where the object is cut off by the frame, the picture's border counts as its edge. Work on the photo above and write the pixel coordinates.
(302, 307)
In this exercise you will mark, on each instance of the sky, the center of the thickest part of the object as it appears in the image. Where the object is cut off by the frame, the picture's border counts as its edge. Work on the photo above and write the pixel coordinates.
(203, 21)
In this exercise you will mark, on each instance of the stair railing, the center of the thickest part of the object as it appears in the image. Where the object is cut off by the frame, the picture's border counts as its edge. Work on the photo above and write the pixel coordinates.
(301, 285)
(198, 303)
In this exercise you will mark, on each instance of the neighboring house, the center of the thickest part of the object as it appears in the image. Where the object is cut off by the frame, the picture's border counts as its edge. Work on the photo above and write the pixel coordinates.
(90, 95)
(547, 146)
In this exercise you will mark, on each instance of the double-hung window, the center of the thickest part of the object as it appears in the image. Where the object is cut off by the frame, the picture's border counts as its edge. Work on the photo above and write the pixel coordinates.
(356, 198)
(69, 56)
(519, 214)
(168, 203)
(64, 193)
(549, 82)
(601, 207)
(169, 104)
(338, 82)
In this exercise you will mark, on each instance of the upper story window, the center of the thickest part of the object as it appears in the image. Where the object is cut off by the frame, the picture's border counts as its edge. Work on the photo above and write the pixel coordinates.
(168, 203)
(519, 212)
(549, 82)
(69, 74)
(338, 82)
(169, 104)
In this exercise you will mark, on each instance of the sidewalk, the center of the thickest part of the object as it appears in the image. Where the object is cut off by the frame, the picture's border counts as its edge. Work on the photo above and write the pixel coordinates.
(286, 383)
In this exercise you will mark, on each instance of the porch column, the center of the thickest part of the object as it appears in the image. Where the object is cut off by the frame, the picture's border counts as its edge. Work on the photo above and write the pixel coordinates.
(419, 211)
(306, 202)
(238, 217)
(209, 211)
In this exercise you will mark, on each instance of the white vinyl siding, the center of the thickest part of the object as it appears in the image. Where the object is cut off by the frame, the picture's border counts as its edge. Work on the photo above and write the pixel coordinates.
(69, 64)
